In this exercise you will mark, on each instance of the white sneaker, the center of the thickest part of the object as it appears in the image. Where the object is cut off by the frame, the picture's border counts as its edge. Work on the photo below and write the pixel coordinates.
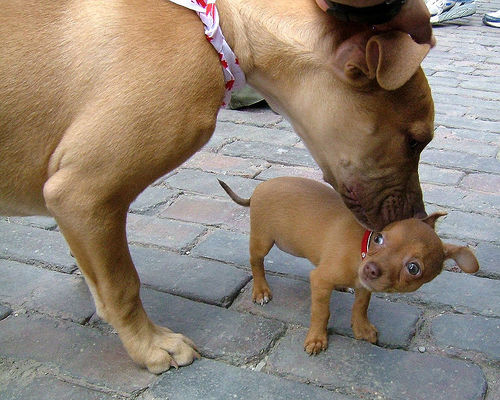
(445, 10)
(492, 19)
(438, 6)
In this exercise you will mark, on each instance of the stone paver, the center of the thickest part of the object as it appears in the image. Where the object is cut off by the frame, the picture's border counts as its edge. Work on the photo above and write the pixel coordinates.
(254, 117)
(80, 352)
(488, 256)
(447, 139)
(162, 232)
(460, 161)
(482, 182)
(460, 292)
(28, 383)
(206, 183)
(218, 333)
(275, 171)
(152, 197)
(4, 311)
(210, 380)
(181, 275)
(226, 246)
(363, 368)
(49, 292)
(35, 246)
(222, 164)
(207, 211)
(452, 198)
(48, 223)
(468, 332)
(437, 175)
(464, 225)
(232, 247)
(225, 130)
(190, 244)
(286, 155)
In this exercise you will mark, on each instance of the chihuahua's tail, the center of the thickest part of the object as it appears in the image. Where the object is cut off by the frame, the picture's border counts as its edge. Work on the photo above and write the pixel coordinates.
(237, 199)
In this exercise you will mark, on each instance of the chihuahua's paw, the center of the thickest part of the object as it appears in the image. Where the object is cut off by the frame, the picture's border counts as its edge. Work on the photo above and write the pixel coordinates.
(161, 349)
(315, 343)
(261, 295)
(365, 331)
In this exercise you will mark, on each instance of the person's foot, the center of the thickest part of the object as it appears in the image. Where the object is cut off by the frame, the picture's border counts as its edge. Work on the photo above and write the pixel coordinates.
(492, 19)
(445, 10)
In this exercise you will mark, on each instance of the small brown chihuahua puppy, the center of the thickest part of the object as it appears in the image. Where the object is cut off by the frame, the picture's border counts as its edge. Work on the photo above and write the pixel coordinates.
(308, 219)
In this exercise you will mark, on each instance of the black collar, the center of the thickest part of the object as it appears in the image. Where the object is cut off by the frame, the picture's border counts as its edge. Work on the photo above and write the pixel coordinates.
(373, 15)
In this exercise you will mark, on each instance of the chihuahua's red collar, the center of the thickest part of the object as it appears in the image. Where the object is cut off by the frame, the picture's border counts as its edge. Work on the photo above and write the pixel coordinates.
(365, 243)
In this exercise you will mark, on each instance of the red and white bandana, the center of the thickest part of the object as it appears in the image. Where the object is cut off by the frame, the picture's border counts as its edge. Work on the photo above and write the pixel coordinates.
(207, 11)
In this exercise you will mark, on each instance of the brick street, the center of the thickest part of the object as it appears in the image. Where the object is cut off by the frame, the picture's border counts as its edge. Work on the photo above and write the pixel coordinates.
(189, 242)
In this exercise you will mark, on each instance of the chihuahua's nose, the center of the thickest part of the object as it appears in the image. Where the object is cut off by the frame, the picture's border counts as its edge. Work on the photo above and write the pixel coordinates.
(372, 270)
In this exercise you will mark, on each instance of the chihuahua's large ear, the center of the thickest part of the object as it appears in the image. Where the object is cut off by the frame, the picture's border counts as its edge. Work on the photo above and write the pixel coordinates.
(463, 256)
(390, 57)
(431, 219)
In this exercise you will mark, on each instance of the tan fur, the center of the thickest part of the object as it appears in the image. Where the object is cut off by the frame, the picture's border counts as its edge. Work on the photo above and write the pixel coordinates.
(101, 98)
(308, 219)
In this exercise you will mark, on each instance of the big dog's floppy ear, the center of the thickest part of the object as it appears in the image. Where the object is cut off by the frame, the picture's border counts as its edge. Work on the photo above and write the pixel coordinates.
(463, 256)
(390, 57)
(394, 57)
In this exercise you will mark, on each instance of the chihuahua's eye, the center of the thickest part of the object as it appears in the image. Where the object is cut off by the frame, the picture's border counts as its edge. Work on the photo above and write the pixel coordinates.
(379, 239)
(413, 268)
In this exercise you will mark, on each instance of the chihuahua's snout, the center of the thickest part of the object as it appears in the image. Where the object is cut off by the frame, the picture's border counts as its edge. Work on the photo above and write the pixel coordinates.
(371, 270)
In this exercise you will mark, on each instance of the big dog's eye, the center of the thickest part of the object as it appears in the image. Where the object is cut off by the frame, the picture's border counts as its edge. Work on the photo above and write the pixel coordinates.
(413, 144)
(379, 239)
(417, 136)
(413, 268)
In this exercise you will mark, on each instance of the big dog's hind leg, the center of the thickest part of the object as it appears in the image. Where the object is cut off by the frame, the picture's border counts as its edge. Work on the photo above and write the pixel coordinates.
(90, 188)
(96, 235)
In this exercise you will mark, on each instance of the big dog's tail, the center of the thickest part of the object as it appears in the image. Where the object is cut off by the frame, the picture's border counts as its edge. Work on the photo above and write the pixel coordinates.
(237, 199)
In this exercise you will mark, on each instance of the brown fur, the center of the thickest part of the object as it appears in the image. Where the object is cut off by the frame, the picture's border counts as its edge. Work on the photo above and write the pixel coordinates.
(100, 99)
(308, 219)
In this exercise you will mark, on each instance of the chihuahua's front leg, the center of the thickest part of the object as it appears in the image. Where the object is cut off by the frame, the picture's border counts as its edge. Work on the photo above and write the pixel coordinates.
(321, 290)
(361, 326)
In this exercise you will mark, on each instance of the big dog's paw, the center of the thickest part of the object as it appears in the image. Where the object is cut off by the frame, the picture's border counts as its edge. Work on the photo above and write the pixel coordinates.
(261, 295)
(162, 349)
(315, 342)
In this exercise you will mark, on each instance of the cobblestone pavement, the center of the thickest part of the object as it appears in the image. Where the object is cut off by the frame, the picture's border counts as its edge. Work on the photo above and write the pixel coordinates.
(189, 242)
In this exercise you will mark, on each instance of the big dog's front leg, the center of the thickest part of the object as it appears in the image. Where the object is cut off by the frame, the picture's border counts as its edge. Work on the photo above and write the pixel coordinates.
(94, 226)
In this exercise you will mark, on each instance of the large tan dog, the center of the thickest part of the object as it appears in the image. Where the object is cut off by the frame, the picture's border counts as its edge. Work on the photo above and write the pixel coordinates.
(98, 99)
(308, 219)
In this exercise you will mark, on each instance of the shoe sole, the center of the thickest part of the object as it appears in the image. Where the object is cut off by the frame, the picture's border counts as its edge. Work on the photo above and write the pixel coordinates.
(495, 24)
(461, 11)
